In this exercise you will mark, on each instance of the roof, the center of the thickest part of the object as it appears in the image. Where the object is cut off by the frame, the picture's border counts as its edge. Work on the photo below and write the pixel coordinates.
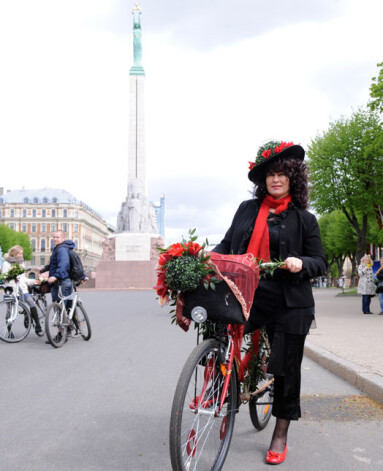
(43, 196)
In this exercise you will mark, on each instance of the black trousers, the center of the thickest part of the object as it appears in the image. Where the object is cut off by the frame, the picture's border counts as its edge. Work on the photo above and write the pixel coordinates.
(287, 378)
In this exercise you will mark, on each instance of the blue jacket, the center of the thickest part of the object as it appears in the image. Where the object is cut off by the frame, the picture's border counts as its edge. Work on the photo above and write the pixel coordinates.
(59, 264)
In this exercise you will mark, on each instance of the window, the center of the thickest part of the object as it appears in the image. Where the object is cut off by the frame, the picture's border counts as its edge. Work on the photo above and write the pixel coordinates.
(76, 214)
(44, 213)
(65, 213)
(24, 213)
(33, 242)
(65, 227)
(43, 227)
(42, 260)
(26, 200)
(12, 226)
(52, 244)
(33, 213)
(45, 199)
(0, 213)
(12, 213)
(1, 200)
(75, 244)
(53, 227)
(75, 228)
(24, 227)
(53, 213)
(35, 199)
(42, 245)
(54, 200)
(34, 227)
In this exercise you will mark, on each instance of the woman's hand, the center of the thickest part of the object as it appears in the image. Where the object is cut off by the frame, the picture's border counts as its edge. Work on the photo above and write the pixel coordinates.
(293, 265)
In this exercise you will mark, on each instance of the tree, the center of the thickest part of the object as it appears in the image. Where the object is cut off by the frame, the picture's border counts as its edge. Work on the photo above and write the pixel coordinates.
(9, 238)
(376, 91)
(346, 167)
(339, 240)
(376, 104)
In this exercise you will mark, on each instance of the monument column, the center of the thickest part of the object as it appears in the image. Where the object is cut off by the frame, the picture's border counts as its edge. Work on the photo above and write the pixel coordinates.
(130, 255)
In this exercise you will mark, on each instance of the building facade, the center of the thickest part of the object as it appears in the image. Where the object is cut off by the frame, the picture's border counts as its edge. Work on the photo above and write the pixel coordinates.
(39, 213)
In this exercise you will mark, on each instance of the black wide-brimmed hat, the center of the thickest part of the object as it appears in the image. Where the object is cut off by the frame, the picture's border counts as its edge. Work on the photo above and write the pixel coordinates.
(269, 152)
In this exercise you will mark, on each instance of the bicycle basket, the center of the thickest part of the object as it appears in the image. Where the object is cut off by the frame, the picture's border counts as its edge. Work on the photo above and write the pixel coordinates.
(221, 305)
(231, 301)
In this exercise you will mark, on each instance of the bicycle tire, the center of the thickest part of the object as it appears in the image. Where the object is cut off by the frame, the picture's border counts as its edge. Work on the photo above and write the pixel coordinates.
(260, 406)
(54, 326)
(17, 330)
(204, 448)
(81, 322)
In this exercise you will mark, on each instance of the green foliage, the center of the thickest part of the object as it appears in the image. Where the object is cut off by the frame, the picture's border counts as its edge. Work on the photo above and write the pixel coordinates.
(185, 273)
(9, 238)
(376, 91)
(346, 167)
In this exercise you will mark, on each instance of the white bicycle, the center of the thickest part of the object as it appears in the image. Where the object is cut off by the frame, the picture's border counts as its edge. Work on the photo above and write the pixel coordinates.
(15, 318)
(67, 318)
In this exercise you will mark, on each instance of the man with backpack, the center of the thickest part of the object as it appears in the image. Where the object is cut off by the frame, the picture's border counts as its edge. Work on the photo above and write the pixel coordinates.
(63, 267)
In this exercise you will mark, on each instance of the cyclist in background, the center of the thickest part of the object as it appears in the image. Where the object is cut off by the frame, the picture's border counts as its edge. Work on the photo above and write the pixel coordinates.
(15, 256)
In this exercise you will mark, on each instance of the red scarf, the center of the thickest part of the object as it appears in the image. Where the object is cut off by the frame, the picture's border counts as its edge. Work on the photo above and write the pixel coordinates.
(259, 242)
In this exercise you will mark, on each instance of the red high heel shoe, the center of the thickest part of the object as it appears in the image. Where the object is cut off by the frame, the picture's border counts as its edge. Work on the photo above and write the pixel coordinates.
(276, 458)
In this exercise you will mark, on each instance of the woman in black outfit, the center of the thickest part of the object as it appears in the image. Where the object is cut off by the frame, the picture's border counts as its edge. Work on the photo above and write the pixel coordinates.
(275, 225)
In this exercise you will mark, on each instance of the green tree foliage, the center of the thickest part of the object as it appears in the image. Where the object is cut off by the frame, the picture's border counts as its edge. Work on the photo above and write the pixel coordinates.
(346, 167)
(9, 238)
(376, 91)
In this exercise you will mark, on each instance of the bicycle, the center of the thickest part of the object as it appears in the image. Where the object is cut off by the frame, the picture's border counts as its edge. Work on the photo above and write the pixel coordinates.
(214, 382)
(38, 293)
(67, 318)
(15, 318)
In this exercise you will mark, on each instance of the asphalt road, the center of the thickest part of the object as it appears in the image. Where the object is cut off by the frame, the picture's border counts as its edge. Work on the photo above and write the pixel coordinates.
(105, 404)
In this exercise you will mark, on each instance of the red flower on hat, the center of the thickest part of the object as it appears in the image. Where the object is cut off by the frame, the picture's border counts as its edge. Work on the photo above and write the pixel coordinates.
(266, 153)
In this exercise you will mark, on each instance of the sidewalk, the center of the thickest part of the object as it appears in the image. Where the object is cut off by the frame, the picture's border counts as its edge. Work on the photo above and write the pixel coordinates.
(348, 342)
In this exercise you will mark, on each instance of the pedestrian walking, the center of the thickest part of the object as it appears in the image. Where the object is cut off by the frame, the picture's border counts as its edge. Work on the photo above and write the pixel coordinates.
(366, 285)
(379, 287)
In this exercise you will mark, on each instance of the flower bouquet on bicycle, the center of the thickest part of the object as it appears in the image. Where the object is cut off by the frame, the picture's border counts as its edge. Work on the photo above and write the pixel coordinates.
(216, 292)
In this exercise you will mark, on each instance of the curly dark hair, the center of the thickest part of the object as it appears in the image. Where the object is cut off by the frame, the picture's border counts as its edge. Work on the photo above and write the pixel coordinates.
(296, 171)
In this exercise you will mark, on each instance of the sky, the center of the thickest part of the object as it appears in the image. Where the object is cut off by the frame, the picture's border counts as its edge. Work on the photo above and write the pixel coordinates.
(222, 78)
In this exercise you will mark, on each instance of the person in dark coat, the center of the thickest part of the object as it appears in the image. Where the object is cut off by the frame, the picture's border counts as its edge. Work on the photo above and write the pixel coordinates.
(275, 226)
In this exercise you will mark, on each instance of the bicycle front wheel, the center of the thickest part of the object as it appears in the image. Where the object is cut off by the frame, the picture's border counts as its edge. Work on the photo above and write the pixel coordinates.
(81, 322)
(15, 323)
(200, 434)
(54, 328)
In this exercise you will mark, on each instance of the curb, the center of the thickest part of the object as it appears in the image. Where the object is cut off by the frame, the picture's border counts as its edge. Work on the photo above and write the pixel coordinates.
(368, 382)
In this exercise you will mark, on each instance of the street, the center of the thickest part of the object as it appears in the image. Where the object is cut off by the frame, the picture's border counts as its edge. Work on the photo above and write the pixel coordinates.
(105, 404)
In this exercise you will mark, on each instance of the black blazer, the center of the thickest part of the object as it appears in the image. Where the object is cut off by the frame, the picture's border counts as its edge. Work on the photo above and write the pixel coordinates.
(299, 237)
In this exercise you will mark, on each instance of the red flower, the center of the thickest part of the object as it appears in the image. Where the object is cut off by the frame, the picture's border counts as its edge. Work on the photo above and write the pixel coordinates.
(176, 250)
(193, 248)
(266, 153)
(251, 165)
(282, 146)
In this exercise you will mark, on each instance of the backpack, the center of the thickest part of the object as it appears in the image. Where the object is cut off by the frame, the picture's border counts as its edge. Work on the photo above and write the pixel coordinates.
(76, 271)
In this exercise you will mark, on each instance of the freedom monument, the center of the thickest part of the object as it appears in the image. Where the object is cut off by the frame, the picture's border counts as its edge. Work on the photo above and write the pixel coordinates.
(130, 256)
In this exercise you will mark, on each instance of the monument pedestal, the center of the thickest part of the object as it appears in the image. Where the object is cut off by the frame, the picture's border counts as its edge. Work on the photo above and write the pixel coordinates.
(129, 261)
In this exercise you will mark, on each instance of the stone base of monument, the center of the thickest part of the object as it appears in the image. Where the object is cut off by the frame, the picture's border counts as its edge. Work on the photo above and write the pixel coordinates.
(129, 261)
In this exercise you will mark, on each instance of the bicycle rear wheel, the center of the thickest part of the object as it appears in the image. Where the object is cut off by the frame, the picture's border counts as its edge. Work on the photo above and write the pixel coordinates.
(200, 435)
(260, 406)
(54, 328)
(14, 326)
(81, 322)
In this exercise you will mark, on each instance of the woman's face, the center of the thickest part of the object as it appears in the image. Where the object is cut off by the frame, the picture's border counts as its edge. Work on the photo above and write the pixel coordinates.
(277, 184)
(19, 254)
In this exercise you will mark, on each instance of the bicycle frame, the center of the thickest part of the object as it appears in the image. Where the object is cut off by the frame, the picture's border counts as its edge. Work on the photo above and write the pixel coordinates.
(232, 358)
(71, 297)
(13, 298)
